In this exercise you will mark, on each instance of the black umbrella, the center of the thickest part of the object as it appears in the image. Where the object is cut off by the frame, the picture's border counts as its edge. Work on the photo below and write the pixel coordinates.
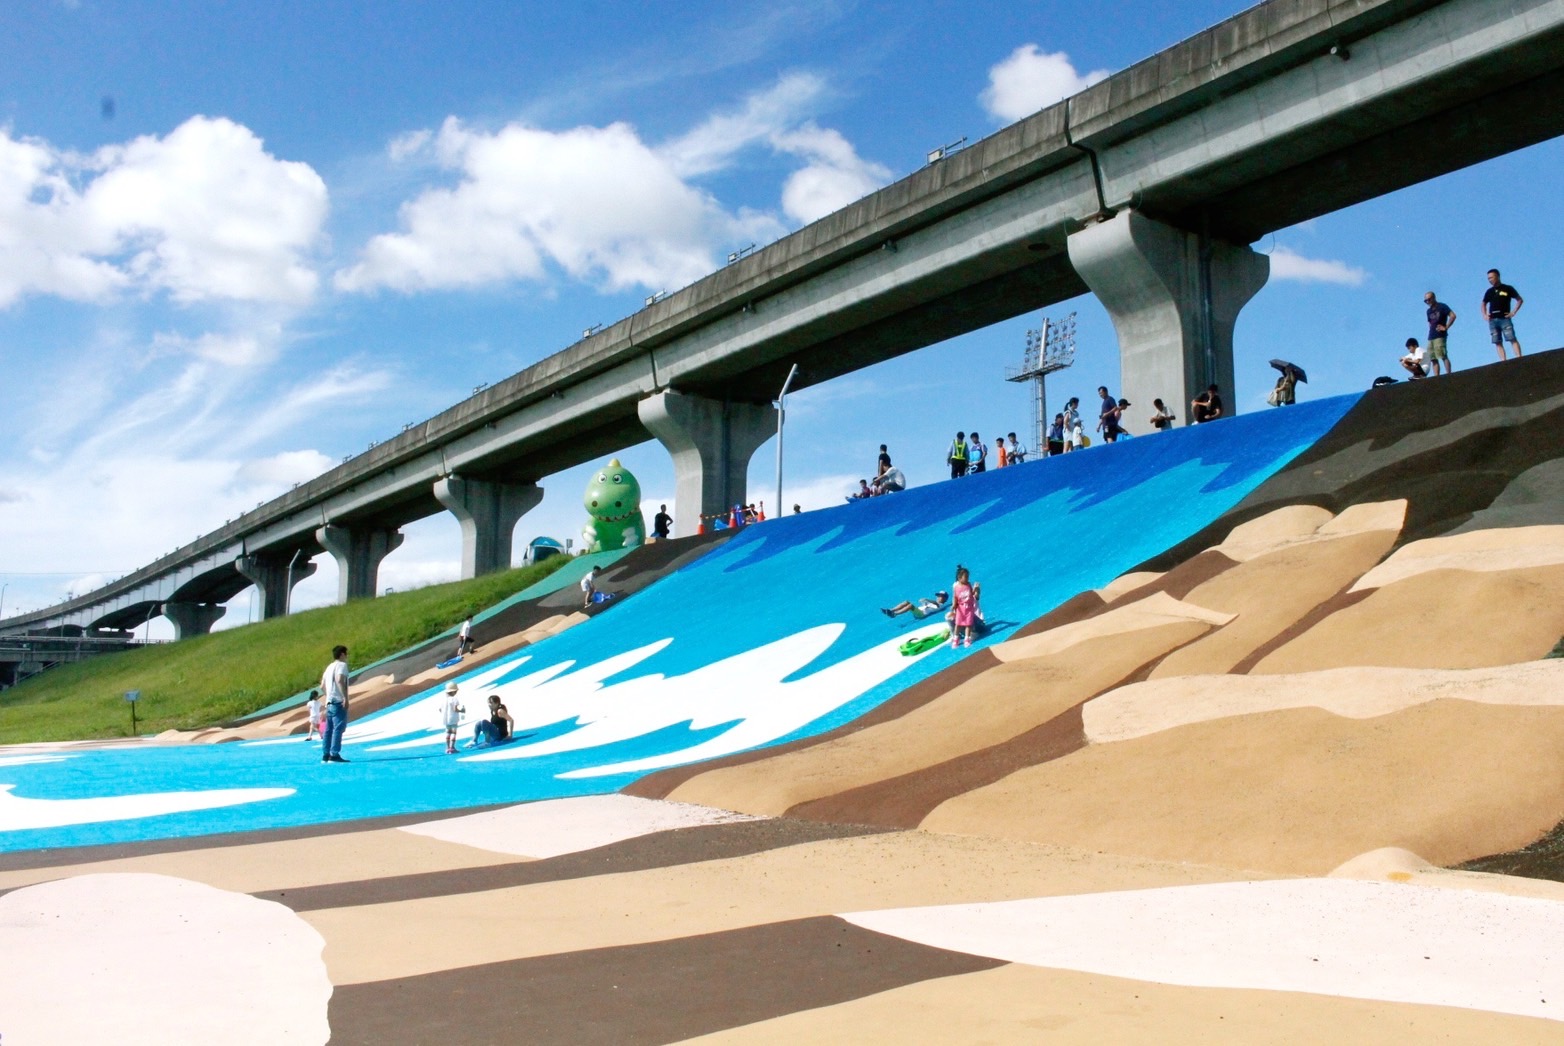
(1291, 368)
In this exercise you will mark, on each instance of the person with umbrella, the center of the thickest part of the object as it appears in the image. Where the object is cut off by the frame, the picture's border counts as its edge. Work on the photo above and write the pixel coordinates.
(1284, 393)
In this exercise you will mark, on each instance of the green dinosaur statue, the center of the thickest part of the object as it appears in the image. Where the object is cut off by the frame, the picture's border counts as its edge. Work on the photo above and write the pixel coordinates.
(613, 499)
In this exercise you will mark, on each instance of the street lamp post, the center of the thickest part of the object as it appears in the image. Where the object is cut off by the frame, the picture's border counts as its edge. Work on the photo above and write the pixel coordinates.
(781, 417)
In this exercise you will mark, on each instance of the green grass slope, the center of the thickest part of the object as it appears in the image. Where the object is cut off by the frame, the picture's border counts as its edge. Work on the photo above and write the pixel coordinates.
(213, 679)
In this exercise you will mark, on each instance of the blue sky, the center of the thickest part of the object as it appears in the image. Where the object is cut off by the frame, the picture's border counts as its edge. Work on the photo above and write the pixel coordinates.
(239, 242)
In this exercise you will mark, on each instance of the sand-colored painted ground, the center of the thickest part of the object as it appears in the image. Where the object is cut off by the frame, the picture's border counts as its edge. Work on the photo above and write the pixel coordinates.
(1270, 593)
(1001, 703)
(378, 942)
(1297, 791)
(1356, 693)
(1392, 864)
(1436, 619)
(1020, 1004)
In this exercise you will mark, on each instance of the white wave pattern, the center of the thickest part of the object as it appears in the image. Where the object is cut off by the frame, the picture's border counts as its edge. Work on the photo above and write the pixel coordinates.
(18, 813)
(747, 690)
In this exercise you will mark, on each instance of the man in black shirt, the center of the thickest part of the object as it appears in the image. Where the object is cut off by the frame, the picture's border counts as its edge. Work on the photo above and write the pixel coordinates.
(1206, 407)
(1500, 304)
(662, 523)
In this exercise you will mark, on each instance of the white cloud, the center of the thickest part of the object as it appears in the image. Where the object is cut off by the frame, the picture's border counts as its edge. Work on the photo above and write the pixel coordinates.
(1032, 79)
(204, 213)
(288, 468)
(597, 202)
(835, 175)
(1290, 265)
(602, 204)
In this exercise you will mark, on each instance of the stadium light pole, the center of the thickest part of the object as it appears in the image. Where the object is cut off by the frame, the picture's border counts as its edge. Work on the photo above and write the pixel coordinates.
(781, 418)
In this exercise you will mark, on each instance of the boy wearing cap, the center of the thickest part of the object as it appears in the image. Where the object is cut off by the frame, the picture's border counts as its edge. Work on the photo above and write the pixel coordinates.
(451, 714)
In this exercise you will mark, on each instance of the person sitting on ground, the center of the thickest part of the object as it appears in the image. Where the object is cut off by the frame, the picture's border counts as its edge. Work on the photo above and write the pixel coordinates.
(589, 587)
(922, 609)
(1413, 360)
(1055, 437)
(1207, 406)
(1017, 452)
(1163, 419)
(863, 490)
(494, 730)
(890, 481)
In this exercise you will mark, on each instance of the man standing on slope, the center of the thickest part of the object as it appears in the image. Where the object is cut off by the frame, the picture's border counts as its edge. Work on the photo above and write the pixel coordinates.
(1500, 304)
(334, 685)
(1440, 319)
(957, 458)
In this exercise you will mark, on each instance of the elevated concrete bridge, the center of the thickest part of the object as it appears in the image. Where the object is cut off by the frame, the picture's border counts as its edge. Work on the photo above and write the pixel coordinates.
(1144, 189)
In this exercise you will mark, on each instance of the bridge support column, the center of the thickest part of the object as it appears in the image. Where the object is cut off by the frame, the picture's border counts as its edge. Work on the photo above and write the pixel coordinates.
(358, 552)
(269, 573)
(711, 442)
(193, 619)
(488, 512)
(1174, 297)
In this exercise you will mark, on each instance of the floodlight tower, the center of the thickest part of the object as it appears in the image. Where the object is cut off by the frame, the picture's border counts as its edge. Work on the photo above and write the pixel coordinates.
(1049, 349)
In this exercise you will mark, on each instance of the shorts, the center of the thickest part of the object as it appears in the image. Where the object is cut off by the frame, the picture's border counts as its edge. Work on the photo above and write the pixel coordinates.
(958, 467)
(1073, 437)
(1436, 349)
(1500, 328)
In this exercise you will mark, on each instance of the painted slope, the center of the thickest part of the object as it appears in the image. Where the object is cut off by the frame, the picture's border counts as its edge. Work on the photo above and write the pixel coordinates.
(773, 636)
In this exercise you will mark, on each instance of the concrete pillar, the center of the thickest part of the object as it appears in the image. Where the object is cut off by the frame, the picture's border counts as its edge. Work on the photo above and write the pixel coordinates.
(193, 619)
(1174, 297)
(358, 552)
(268, 572)
(711, 442)
(488, 513)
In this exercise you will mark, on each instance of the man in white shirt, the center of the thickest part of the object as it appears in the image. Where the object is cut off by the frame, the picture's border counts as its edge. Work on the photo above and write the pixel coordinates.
(588, 587)
(334, 688)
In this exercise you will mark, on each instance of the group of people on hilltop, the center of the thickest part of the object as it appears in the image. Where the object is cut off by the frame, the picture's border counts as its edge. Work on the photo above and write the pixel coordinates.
(968, 455)
(1500, 304)
(888, 479)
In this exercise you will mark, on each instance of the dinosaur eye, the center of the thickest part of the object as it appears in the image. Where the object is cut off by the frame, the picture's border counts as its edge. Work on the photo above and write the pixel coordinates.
(594, 503)
(619, 504)
(618, 479)
(602, 477)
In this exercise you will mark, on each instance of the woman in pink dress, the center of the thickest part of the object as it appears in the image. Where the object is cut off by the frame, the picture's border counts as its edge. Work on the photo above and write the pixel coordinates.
(966, 607)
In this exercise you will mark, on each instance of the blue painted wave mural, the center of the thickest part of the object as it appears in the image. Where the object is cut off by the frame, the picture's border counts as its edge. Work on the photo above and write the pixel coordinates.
(775, 635)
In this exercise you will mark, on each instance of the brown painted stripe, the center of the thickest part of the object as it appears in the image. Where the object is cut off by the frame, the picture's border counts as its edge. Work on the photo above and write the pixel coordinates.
(661, 784)
(904, 801)
(659, 850)
(643, 994)
(1335, 604)
(1078, 607)
(1184, 578)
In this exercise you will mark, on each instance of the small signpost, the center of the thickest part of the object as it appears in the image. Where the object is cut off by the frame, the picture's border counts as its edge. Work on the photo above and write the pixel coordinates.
(131, 697)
